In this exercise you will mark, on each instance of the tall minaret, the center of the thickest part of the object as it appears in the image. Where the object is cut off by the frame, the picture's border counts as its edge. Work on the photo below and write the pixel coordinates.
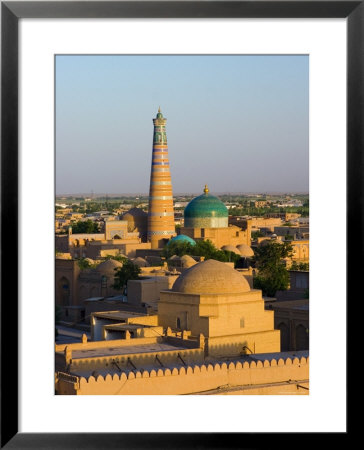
(160, 213)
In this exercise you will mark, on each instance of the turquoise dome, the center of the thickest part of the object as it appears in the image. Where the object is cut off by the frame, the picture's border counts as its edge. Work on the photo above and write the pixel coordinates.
(182, 238)
(206, 211)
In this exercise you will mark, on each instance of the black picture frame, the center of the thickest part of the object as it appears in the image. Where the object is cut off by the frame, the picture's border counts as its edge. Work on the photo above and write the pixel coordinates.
(11, 12)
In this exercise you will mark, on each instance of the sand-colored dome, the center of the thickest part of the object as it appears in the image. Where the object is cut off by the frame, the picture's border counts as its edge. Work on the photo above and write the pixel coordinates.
(211, 277)
(231, 248)
(141, 262)
(174, 258)
(187, 261)
(107, 267)
(245, 250)
(137, 220)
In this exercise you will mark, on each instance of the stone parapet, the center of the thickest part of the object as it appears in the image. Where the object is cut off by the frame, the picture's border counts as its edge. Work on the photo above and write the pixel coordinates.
(287, 375)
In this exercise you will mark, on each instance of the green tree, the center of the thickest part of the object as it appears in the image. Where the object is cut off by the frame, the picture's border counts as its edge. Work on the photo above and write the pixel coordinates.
(84, 264)
(87, 227)
(177, 248)
(119, 258)
(129, 271)
(273, 275)
(301, 267)
(209, 251)
(202, 248)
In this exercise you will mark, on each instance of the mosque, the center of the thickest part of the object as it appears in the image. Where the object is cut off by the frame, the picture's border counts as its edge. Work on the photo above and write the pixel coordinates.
(210, 333)
(206, 218)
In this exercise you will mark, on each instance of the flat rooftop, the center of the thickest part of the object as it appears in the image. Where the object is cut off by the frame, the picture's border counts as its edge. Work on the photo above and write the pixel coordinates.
(125, 326)
(127, 350)
(118, 315)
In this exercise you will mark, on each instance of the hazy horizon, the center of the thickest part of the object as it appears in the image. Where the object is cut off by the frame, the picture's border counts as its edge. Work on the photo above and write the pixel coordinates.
(238, 123)
(175, 194)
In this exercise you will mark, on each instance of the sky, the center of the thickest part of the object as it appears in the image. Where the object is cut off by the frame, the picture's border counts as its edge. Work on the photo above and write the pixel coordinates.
(239, 123)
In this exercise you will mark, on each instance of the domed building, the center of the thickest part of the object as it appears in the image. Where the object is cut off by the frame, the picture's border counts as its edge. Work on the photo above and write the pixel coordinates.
(245, 251)
(247, 254)
(207, 218)
(187, 261)
(141, 262)
(182, 238)
(137, 222)
(231, 248)
(108, 267)
(211, 277)
(206, 211)
(181, 263)
(215, 300)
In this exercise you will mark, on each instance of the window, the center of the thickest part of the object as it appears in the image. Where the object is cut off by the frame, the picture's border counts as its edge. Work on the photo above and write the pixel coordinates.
(178, 323)
(242, 322)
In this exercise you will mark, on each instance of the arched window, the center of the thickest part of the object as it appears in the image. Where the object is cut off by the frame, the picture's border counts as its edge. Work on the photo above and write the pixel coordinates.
(178, 323)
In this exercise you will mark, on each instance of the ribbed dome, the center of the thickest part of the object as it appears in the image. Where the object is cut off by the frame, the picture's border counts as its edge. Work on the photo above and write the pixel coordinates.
(107, 267)
(245, 250)
(211, 277)
(206, 211)
(231, 248)
(182, 238)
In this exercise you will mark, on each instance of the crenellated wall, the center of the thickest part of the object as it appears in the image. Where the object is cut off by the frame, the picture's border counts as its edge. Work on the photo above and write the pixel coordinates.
(282, 376)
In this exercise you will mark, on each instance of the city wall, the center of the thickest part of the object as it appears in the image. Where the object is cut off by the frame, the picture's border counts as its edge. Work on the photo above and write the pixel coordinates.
(289, 376)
